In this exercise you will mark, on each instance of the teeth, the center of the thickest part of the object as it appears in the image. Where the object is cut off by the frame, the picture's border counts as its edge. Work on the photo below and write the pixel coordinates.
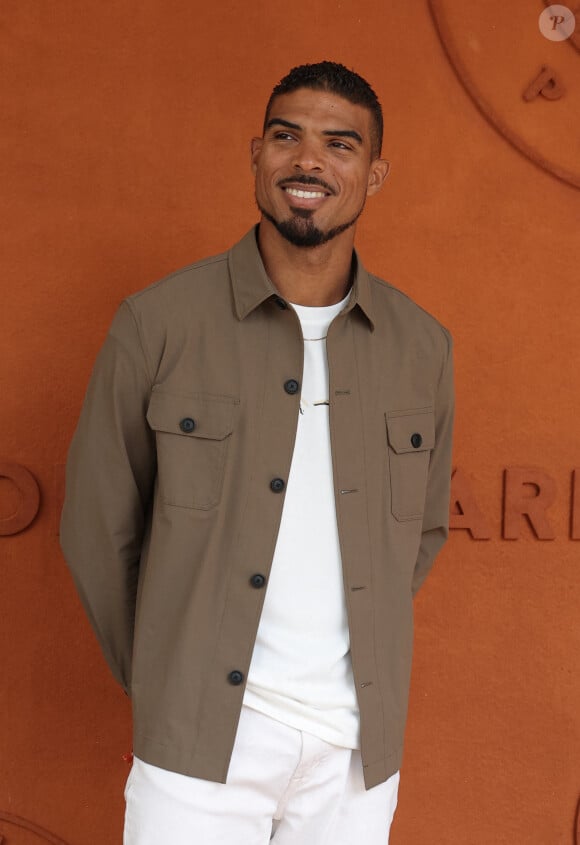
(304, 194)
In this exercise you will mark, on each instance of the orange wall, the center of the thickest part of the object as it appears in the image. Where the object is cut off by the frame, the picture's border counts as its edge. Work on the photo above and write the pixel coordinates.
(125, 155)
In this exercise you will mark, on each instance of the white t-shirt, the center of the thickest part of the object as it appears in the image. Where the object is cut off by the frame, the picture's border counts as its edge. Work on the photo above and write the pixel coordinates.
(301, 671)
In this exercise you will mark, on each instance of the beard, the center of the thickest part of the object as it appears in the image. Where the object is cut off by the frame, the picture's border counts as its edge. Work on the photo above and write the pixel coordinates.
(300, 230)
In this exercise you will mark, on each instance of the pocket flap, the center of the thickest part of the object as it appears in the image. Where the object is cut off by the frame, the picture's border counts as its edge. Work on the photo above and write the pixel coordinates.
(212, 416)
(412, 430)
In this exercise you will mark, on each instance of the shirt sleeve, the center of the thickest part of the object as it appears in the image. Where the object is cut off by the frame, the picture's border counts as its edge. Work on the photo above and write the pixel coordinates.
(109, 478)
(435, 530)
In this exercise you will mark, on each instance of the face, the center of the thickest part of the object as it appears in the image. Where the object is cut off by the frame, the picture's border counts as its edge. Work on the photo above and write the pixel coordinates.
(313, 167)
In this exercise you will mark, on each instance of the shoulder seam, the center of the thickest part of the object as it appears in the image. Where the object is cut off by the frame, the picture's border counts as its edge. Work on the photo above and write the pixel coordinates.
(194, 266)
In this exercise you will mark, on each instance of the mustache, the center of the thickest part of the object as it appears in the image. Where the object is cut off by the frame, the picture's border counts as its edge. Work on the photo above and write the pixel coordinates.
(305, 180)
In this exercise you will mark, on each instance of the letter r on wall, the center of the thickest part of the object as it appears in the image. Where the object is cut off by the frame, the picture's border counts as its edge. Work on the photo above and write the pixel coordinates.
(519, 482)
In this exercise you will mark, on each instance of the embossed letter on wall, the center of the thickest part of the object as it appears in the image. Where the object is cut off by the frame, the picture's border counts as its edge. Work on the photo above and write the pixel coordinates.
(528, 493)
(546, 83)
(465, 511)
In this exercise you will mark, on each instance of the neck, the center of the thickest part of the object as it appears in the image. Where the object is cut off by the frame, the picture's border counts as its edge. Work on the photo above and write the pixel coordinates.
(314, 276)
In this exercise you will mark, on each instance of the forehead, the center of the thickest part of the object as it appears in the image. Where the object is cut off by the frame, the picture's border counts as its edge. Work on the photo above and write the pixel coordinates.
(322, 110)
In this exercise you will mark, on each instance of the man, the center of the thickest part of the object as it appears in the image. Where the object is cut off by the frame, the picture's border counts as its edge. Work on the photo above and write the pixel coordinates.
(257, 487)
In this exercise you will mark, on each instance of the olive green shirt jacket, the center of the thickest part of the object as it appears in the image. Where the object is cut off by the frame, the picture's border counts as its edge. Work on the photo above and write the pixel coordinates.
(175, 487)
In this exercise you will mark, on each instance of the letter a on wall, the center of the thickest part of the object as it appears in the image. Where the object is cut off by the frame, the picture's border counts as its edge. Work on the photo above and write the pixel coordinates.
(465, 512)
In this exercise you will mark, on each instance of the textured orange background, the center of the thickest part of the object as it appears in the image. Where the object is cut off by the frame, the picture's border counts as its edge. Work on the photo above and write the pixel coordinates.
(124, 154)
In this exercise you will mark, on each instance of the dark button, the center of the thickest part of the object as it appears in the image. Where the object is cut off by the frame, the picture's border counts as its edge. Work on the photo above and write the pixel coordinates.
(277, 485)
(187, 424)
(257, 580)
(416, 440)
(235, 678)
(291, 386)
(280, 303)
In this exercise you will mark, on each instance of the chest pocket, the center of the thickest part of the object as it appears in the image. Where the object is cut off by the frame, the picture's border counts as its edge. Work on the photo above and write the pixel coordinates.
(192, 433)
(410, 437)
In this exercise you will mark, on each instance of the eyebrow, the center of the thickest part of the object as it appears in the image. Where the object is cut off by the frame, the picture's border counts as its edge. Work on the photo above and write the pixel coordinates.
(340, 133)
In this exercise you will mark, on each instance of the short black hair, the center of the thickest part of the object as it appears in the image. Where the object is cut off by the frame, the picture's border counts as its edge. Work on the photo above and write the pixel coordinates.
(336, 79)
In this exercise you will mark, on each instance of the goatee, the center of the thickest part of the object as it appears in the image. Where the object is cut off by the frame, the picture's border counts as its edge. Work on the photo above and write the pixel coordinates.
(300, 230)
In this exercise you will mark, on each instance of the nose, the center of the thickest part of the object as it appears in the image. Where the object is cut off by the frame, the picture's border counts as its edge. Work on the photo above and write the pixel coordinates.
(308, 156)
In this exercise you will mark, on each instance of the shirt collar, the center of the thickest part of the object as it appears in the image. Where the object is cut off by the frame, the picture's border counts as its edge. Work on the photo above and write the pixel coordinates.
(251, 285)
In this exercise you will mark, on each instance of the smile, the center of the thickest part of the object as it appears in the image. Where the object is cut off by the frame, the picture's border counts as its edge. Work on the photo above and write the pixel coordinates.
(305, 194)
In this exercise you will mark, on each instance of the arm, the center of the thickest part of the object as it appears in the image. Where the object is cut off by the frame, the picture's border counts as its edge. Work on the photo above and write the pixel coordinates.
(436, 515)
(109, 477)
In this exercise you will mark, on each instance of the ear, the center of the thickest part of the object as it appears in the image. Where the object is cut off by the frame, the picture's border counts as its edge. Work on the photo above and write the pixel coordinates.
(378, 172)
(255, 149)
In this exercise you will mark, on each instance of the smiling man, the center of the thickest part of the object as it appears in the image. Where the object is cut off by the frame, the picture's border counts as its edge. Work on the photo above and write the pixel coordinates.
(257, 487)
(352, 169)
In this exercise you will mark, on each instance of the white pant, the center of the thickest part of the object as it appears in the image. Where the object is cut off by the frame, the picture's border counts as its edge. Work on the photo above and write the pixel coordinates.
(284, 787)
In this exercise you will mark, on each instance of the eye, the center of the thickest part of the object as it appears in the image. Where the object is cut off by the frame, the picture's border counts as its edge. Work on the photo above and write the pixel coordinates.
(283, 135)
(339, 145)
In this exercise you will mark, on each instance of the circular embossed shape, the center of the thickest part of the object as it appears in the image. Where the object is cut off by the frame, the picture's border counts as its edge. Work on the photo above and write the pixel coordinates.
(525, 86)
(27, 487)
(557, 23)
(24, 824)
